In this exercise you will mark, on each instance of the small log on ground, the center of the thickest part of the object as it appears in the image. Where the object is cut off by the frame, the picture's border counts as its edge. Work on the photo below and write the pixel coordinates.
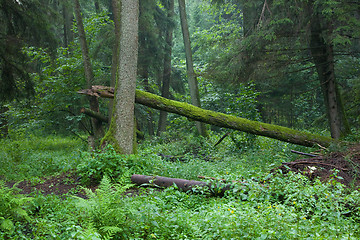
(182, 184)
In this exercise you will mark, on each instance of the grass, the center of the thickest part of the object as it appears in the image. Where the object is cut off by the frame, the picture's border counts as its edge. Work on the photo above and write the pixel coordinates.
(268, 206)
(36, 157)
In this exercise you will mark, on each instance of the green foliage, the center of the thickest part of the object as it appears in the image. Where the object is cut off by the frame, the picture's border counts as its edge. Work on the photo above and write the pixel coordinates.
(96, 165)
(25, 23)
(218, 28)
(13, 211)
(57, 76)
(284, 207)
(106, 162)
(56, 217)
(105, 209)
(264, 206)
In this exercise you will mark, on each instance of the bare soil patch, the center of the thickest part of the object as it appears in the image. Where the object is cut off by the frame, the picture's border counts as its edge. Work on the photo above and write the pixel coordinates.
(62, 184)
(65, 183)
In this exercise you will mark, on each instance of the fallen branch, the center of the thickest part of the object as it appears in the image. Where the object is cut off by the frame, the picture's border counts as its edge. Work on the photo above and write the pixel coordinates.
(305, 154)
(222, 138)
(94, 114)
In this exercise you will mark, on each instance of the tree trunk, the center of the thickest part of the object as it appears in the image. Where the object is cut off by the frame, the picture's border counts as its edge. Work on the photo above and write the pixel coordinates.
(165, 89)
(89, 75)
(67, 18)
(116, 8)
(323, 56)
(219, 119)
(122, 130)
(193, 84)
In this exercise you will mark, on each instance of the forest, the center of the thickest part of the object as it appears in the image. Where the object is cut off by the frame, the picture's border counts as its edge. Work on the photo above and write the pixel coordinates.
(174, 119)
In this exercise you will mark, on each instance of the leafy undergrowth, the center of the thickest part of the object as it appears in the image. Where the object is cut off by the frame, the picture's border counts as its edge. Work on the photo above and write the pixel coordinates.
(265, 206)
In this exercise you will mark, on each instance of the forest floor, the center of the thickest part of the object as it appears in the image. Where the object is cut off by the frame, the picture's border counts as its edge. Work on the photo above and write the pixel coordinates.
(341, 166)
(62, 184)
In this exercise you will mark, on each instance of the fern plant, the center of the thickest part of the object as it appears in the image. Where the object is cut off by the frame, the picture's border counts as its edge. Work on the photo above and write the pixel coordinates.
(104, 209)
(12, 209)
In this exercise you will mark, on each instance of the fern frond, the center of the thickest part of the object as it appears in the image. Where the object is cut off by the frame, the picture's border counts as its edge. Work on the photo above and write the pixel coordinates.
(110, 231)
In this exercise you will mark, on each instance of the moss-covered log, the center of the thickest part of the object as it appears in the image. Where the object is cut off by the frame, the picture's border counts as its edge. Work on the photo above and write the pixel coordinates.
(219, 119)
(94, 114)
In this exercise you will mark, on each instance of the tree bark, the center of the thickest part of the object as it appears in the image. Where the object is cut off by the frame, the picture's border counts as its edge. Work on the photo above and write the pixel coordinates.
(115, 7)
(122, 128)
(219, 119)
(89, 75)
(323, 56)
(165, 89)
(193, 83)
(67, 18)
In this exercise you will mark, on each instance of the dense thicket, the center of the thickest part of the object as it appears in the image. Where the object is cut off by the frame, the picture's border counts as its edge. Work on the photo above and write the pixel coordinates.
(253, 59)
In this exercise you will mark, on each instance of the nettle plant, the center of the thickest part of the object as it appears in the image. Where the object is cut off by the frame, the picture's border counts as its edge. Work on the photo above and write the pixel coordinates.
(106, 162)
(97, 164)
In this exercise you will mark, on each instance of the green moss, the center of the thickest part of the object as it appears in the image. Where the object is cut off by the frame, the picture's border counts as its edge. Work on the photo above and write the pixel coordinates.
(228, 121)
(110, 139)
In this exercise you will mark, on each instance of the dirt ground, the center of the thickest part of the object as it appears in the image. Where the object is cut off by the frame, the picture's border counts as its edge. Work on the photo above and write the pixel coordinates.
(62, 184)
(345, 165)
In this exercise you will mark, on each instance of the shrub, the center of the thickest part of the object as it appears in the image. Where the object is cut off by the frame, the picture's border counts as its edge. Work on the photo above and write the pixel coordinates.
(95, 165)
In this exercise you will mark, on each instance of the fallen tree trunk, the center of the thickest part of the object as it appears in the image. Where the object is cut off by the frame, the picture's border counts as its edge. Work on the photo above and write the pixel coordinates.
(183, 184)
(218, 119)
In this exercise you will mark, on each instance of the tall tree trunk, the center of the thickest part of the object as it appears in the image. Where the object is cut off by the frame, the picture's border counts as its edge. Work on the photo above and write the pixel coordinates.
(116, 8)
(323, 56)
(192, 79)
(67, 18)
(89, 75)
(165, 88)
(122, 127)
